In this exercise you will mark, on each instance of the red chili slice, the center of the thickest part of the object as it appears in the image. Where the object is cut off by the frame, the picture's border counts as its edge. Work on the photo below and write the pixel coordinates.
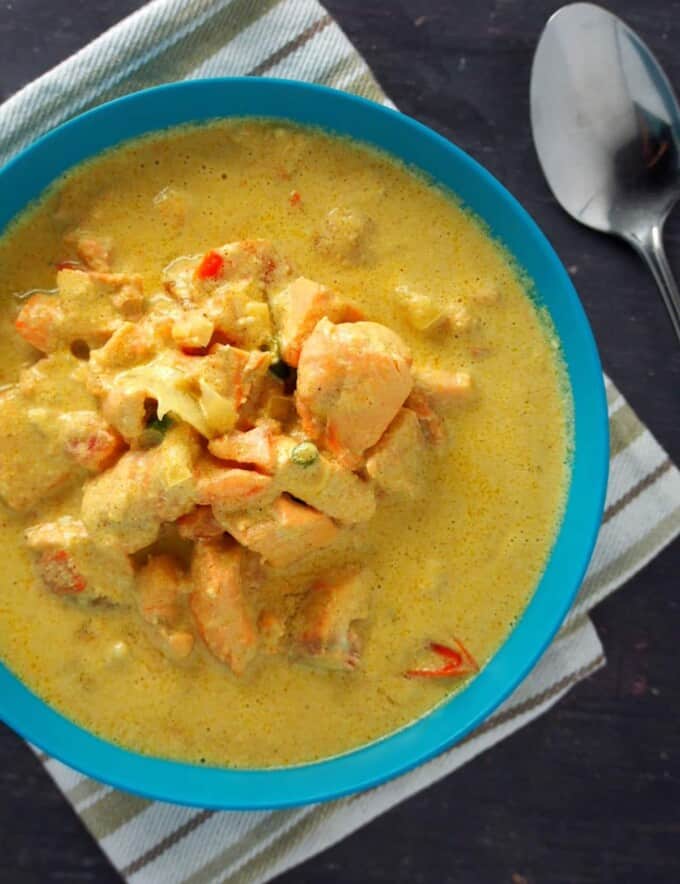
(458, 661)
(211, 266)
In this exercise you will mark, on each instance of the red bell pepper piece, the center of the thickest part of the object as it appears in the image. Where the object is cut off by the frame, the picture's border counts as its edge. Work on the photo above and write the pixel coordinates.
(210, 266)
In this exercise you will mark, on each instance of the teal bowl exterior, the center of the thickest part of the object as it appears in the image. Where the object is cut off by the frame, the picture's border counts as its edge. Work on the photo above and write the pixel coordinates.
(25, 178)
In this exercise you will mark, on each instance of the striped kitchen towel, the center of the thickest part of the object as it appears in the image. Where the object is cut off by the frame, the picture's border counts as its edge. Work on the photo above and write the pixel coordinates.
(155, 842)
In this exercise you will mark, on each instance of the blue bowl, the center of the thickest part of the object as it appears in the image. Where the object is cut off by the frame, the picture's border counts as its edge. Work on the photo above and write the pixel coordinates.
(25, 178)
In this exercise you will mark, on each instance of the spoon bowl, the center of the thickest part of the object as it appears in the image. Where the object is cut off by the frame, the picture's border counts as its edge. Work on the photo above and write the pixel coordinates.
(606, 125)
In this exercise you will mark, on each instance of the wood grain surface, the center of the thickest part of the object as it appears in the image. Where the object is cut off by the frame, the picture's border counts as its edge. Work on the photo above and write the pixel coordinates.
(590, 793)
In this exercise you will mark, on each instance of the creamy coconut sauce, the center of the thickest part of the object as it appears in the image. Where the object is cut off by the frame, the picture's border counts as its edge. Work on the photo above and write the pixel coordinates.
(456, 562)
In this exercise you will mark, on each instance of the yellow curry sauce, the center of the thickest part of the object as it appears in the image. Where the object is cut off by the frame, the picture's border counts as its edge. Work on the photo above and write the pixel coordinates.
(454, 562)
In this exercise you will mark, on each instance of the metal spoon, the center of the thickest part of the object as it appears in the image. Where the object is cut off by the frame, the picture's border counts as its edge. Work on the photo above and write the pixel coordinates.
(606, 126)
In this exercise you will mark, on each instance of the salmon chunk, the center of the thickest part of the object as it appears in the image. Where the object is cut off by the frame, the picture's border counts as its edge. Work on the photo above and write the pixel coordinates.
(27, 435)
(219, 605)
(131, 344)
(296, 310)
(130, 501)
(283, 534)
(162, 587)
(254, 448)
(397, 463)
(87, 307)
(70, 563)
(445, 389)
(352, 380)
(430, 420)
(310, 476)
(31, 431)
(199, 524)
(93, 251)
(228, 489)
(325, 630)
(89, 439)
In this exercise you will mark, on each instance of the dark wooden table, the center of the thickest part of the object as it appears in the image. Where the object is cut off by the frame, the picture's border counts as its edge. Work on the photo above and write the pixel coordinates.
(590, 792)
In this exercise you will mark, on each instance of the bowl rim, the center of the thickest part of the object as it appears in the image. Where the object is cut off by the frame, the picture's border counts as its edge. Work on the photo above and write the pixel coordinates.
(37, 165)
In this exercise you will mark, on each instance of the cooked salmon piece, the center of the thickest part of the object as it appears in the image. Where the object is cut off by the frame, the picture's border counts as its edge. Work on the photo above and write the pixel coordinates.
(27, 435)
(325, 632)
(228, 489)
(431, 421)
(223, 616)
(70, 563)
(296, 310)
(199, 524)
(396, 464)
(445, 389)
(283, 533)
(436, 392)
(162, 587)
(352, 380)
(89, 439)
(129, 345)
(87, 307)
(254, 448)
(272, 630)
(31, 430)
(39, 322)
(307, 474)
(130, 501)
(94, 251)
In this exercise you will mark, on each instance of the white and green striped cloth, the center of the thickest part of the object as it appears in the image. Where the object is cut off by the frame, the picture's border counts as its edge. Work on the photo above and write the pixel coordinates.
(154, 842)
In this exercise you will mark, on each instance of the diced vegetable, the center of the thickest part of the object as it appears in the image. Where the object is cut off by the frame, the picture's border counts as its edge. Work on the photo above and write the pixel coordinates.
(211, 266)
(304, 454)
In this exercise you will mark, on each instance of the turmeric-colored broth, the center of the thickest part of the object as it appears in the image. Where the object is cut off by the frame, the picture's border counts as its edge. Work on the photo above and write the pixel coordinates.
(461, 562)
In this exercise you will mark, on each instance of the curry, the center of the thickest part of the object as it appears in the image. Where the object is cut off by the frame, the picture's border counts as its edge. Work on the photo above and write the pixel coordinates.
(283, 445)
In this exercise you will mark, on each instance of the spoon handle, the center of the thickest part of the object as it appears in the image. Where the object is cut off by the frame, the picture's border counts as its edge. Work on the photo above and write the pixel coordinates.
(652, 250)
